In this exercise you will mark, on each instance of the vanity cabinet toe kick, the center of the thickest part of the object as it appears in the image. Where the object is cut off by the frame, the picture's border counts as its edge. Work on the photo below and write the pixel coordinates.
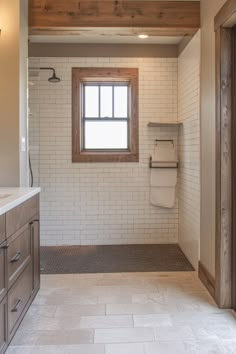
(19, 266)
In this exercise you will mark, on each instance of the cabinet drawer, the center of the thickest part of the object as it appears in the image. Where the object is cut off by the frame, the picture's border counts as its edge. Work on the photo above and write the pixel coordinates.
(18, 253)
(22, 214)
(2, 228)
(3, 325)
(18, 298)
(3, 274)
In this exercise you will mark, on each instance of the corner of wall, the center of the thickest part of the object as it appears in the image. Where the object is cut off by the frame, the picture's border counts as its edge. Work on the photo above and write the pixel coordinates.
(189, 149)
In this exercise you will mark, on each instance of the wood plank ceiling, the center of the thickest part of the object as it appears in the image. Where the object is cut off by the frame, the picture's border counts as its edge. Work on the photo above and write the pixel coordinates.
(158, 18)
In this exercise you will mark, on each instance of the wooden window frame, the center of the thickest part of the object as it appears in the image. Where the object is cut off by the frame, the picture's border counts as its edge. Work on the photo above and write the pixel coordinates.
(83, 75)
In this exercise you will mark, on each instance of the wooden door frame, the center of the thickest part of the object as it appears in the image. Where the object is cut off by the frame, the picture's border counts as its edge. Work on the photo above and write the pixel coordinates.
(225, 127)
(234, 170)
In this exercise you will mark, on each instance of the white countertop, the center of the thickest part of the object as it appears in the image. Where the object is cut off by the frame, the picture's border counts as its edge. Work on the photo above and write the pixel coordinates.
(11, 197)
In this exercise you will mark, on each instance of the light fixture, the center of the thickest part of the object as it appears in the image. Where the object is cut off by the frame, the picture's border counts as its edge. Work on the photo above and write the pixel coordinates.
(143, 36)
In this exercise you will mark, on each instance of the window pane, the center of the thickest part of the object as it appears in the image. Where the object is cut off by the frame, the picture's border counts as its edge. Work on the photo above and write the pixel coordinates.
(106, 135)
(121, 101)
(106, 101)
(91, 101)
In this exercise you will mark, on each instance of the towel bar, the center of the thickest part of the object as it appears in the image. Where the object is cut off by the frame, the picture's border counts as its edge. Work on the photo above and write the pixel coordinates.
(169, 167)
(164, 141)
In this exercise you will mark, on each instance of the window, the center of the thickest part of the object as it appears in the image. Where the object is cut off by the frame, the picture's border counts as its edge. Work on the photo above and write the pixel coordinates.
(105, 115)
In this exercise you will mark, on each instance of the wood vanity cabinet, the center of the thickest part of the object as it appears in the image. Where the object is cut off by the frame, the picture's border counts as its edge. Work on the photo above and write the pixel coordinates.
(19, 266)
(2, 228)
(3, 272)
(36, 254)
(18, 298)
(19, 253)
(3, 325)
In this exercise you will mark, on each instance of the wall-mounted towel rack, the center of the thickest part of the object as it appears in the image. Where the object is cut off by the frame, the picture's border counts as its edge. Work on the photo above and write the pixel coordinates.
(167, 124)
(164, 141)
(169, 165)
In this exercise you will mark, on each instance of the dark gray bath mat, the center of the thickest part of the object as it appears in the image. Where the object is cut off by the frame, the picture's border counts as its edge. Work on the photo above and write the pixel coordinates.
(113, 259)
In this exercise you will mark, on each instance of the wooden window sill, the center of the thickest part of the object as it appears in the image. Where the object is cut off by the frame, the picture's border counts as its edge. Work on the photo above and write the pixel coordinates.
(87, 156)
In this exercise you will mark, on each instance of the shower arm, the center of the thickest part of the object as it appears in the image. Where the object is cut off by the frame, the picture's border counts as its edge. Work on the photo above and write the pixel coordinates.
(42, 68)
(53, 78)
(53, 70)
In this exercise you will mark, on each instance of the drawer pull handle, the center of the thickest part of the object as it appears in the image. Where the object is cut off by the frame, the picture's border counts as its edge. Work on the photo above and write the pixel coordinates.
(4, 247)
(16, 257)
(15, 308)
(34, 221)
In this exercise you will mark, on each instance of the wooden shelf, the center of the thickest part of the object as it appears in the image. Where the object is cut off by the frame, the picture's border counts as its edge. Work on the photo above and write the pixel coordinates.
(164, 124)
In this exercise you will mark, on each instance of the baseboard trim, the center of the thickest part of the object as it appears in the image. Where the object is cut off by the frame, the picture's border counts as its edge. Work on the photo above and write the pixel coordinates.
(207, 279)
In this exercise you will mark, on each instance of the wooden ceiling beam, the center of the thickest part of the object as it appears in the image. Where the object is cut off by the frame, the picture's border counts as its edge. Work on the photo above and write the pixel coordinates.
(167, 17)
(105, 32)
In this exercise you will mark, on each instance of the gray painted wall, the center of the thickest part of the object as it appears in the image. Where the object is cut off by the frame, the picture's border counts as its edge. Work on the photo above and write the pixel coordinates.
(102, 50)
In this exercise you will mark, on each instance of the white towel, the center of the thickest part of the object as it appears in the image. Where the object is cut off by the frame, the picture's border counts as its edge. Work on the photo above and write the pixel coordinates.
(163, 177)
(163, 197)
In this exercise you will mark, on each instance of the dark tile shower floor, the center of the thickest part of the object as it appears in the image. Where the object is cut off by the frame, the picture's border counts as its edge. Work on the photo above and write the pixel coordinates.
(113, 259)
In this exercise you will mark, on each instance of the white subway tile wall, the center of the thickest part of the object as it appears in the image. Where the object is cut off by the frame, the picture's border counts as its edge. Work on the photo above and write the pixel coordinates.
(189, 149)
(99, 203)
(34, 121)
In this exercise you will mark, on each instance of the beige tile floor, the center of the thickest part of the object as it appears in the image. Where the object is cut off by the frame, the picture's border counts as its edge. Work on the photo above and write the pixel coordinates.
(135, 313)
